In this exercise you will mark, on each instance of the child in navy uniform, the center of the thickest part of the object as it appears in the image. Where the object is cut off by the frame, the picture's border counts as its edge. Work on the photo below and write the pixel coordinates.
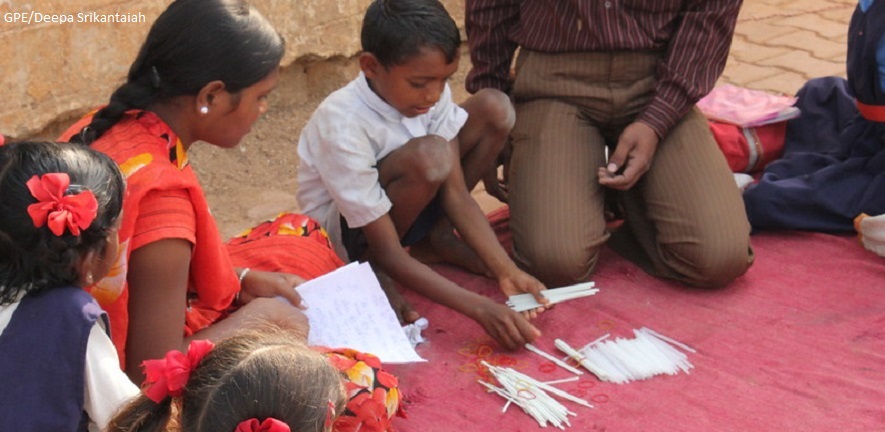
(59, 210)
(388, 162)
(833, 169)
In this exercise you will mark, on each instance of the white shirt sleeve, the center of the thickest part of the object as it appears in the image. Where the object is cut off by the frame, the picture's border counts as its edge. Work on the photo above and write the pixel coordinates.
(343, 152)
(107, 388)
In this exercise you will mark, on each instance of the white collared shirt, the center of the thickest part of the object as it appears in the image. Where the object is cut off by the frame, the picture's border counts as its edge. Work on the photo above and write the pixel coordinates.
(339, 149)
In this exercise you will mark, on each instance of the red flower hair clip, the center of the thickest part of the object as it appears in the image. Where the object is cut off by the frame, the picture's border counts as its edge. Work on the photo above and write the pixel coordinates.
(168, 376)
(57, 210)
(268, 425)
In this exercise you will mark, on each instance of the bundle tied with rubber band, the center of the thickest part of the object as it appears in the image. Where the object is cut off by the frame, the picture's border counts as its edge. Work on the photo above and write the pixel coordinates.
(533, 396)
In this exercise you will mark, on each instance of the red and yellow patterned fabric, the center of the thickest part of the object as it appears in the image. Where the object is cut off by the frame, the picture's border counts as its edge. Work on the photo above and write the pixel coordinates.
(373, 396)
(290, 243)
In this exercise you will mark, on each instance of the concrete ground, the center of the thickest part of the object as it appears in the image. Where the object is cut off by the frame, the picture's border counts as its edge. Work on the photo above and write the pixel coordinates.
(778, 46)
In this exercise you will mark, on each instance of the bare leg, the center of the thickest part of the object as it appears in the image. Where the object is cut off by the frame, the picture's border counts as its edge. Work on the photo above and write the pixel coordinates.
(411, 177)
(404, 311)
(480, 142)
(442, 245)
(485, 134)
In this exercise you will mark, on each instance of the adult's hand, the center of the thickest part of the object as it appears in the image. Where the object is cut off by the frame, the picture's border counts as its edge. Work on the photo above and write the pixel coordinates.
(271, 284)
(632, 157)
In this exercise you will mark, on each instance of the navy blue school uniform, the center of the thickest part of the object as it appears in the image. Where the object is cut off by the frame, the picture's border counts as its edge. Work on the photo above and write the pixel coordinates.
(42, 359)
(833, 167)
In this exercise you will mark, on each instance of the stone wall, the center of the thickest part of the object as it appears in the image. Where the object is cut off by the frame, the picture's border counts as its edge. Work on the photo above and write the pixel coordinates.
(56, 61)
(52, 73)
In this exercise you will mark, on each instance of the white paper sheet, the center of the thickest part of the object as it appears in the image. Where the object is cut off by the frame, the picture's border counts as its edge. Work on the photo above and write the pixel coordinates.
(348, 308)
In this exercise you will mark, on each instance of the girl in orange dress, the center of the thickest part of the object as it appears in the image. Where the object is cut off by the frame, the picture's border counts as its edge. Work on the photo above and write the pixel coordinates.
(203, 74)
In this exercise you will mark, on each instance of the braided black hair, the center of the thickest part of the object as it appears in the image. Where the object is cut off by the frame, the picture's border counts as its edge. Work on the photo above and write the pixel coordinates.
(192, 43)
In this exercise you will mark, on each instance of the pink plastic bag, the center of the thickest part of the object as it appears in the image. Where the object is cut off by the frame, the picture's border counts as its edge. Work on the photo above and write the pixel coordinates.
(745, 107)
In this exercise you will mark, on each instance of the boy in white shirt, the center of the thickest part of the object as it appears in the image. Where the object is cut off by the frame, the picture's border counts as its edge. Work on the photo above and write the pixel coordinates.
(388, 162)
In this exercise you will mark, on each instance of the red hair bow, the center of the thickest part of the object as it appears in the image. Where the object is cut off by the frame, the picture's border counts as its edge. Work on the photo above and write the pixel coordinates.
(168, 376)
(268, 425)
(57, 210)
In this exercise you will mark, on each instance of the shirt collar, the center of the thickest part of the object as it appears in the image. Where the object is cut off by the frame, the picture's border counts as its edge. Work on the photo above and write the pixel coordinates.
(374, 102)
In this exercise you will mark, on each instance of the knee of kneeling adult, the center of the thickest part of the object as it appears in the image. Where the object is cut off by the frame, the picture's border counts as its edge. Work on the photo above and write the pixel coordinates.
(431, 159)
(558, 270)
(720, 272)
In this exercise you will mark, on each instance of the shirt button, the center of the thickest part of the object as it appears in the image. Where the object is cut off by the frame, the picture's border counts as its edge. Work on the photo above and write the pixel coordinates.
(608, 4)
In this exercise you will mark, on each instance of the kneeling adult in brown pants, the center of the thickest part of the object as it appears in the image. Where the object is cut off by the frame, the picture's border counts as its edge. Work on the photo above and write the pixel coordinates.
(623, 77)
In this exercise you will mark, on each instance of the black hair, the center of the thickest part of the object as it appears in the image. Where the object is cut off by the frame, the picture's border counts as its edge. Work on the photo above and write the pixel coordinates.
(396, 30)
(192, 43)
(262, 373)
(34, 259)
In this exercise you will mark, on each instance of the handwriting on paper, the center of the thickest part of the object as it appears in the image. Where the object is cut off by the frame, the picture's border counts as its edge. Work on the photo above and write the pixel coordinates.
(348, 308)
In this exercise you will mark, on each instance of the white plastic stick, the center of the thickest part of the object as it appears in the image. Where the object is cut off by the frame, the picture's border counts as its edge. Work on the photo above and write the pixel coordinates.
(555, 360)
(665, 338)
(560, 381)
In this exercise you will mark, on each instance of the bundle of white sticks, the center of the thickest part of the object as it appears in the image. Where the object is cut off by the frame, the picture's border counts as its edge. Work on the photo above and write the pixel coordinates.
(620, 361)
(532, 396)
(524, 302)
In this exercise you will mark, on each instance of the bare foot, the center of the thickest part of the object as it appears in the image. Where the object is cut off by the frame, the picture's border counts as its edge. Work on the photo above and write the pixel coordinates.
(404, 311)
(442, 246)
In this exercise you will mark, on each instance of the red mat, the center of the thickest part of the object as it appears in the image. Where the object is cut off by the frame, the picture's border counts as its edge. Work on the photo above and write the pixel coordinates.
(796, 344)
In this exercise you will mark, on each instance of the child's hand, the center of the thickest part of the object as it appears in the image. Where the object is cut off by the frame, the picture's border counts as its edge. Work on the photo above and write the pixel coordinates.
(507, 327)
(271, 284)
(519, 282)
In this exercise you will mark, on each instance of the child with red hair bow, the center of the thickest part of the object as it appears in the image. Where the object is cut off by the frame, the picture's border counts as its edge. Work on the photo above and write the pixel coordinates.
(262, 380)
(59, 212)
